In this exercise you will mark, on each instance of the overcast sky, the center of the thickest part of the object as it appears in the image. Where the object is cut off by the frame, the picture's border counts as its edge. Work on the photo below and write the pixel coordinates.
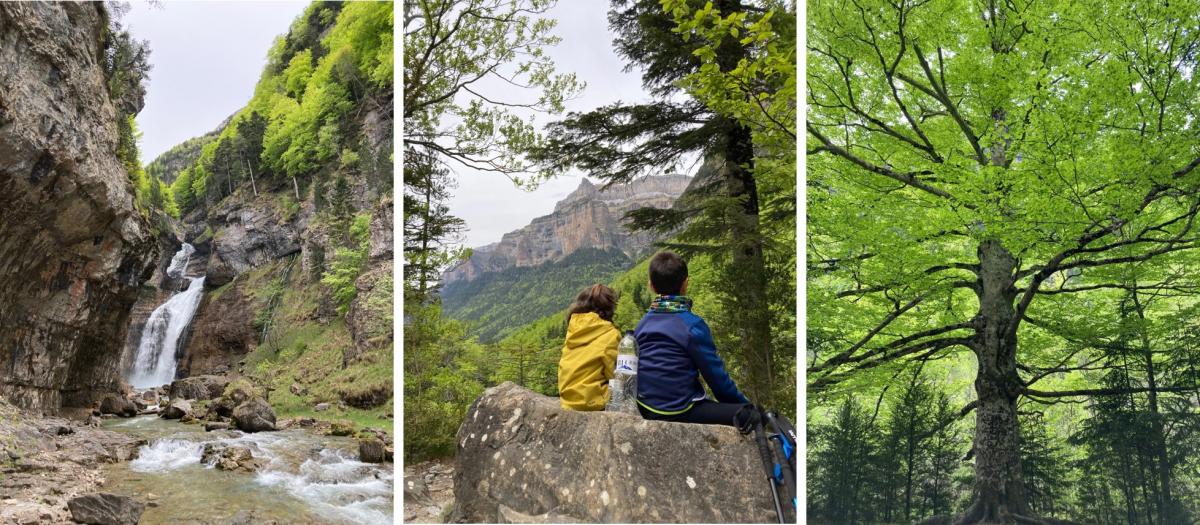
(488, 202)
(207, 56)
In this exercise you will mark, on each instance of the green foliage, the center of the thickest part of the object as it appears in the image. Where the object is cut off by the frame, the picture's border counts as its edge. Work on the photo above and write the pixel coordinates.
(497, 303)
(347, 264)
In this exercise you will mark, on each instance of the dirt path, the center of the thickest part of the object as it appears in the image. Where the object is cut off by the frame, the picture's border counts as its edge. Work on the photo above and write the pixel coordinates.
(428, 491)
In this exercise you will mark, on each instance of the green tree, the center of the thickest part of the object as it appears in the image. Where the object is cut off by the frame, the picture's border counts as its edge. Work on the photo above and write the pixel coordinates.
(963, 158)
(694, 60)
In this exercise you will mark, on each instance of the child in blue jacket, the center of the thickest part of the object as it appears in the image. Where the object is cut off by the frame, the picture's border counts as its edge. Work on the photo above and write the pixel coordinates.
(675, 348)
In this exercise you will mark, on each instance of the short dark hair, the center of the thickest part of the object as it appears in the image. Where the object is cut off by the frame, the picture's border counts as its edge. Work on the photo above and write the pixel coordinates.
(596, 298)
(668, 271)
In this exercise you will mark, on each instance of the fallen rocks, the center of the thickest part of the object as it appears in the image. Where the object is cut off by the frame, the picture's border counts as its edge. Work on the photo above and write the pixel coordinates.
(178, 409)
(522, 458)
(371, 450)
(117, 405)
(230, 457)
(199, 387)
(105, 509)
(254, 415)
(216, 425)
(341, 428)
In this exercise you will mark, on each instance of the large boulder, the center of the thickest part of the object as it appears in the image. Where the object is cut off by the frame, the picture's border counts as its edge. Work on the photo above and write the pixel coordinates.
(177, 409)
(199, 387)
(119, 405)
(522, 458)
(106, 509)
(254, 415)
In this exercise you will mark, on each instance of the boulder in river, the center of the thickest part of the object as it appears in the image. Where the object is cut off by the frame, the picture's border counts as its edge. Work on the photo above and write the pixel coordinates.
(216, 425)
(105, 509)
(118, 405)
(341, 427)
(371, 450)
(199, 387)
(254, 415)
(521, 457)
(177, 409)
(231, 457)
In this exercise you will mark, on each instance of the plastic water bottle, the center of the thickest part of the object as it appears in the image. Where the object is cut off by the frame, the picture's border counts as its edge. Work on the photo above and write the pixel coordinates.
(623, 386)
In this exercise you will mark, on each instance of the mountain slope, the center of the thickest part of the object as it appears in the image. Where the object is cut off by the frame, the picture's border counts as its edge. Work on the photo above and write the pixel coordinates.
(498, 302)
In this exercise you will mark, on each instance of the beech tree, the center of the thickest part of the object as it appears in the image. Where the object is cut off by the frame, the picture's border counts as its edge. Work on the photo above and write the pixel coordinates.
(976, 166)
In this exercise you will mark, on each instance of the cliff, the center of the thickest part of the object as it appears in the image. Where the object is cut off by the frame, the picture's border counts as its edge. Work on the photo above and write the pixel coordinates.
(589, 217)
(73, 246)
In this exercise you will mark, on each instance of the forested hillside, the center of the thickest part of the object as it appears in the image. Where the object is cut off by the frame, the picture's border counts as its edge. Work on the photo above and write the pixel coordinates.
(497, 303)
(1002, 263)
(291, 200)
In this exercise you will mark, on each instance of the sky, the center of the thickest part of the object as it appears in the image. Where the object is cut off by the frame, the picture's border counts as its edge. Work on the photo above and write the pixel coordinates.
(489, 203)
(206, 58)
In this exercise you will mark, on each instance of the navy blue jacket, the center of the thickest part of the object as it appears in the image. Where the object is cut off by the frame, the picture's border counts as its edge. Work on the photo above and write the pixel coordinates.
(674, 350)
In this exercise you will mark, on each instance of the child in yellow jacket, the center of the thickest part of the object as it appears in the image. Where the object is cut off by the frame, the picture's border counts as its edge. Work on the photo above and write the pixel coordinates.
(590, 351)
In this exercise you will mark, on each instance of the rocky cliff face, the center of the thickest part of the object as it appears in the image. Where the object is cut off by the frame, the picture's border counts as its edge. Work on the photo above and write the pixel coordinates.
(73, 247)
(588, 217)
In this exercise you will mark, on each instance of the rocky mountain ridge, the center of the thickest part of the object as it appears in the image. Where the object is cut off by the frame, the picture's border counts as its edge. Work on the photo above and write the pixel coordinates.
(589, 217)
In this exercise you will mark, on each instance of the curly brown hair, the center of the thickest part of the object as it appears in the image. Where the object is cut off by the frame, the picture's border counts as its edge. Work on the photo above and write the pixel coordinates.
(596, 298)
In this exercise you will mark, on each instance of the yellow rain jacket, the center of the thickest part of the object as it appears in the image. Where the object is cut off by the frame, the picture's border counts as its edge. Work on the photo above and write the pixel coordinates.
(588, 357)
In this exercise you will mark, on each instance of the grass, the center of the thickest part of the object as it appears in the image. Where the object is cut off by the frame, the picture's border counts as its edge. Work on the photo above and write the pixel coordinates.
(306, 351)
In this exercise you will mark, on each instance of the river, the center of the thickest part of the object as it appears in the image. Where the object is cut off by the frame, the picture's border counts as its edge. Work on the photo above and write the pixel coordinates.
(306, 478)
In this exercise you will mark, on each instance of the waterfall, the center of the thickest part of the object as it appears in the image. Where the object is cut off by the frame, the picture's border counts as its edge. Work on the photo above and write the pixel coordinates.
(154, 363)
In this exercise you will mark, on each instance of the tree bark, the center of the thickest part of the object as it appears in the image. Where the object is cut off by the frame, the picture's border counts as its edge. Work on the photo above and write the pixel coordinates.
(296, 188)
(252, 183)
(999, 492)
(1158, 437)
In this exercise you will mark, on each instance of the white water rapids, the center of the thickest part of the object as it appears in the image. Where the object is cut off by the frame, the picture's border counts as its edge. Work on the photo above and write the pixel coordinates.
(154, 363)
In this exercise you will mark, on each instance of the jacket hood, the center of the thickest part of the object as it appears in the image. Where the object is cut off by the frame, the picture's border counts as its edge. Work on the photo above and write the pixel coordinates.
(583, 329)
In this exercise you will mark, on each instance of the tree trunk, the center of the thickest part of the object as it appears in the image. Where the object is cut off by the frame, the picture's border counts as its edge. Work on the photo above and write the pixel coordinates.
(296, 188)
(252, 183)
(748, 272)
(999, 492)
(1166, 504)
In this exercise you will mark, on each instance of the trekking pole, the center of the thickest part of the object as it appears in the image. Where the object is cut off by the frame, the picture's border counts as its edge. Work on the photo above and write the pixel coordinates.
(765, 452)
(785, 433)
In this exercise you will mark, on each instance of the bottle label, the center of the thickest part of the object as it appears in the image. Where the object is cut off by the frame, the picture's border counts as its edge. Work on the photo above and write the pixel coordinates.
(626, 364)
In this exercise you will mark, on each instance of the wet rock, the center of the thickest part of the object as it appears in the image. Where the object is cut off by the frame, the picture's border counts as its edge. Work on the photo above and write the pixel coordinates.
(371, 450)
(178, 409)
(522, 458)
(105, 509)
(254, 415)
(341, 428)
(232, 457)
(216, 425)
(199, 387)
(246, 517)
(248, 234)
(117, 405)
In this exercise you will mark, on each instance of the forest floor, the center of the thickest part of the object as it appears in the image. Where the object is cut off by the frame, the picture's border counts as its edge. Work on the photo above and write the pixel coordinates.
(428, 491)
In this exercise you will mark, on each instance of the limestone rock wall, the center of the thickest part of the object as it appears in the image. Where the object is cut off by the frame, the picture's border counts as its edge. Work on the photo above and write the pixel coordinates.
(73, 248)
(587, 218)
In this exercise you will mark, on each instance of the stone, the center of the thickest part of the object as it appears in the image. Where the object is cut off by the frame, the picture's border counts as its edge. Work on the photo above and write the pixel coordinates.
(582, 476)
(105, 509)
(254, 415)
(199, 387)
(178, 409)
(216, 425)
(371, 450)
(341, 428)
(229, 457)
(321, 407)
(297, 390)
(117, 405)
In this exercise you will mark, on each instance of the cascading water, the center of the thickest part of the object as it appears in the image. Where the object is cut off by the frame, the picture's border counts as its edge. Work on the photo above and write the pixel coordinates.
(154, 363)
